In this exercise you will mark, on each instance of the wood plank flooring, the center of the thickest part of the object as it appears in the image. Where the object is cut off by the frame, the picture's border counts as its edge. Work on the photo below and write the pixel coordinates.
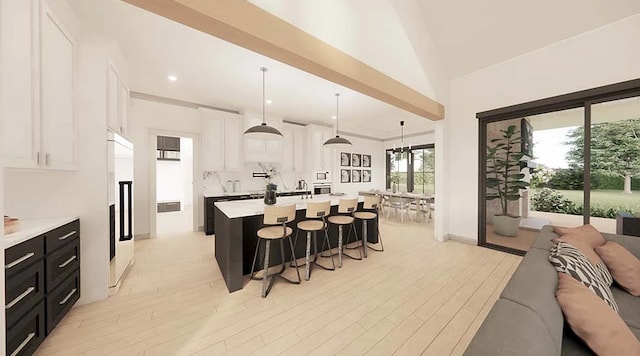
(418, 297)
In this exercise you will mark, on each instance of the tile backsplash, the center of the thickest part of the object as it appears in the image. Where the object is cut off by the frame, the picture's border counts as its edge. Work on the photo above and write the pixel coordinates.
(213, 182)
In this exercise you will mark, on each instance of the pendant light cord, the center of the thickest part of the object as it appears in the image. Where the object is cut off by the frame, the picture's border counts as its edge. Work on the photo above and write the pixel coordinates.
(337, 117)
(264, 121)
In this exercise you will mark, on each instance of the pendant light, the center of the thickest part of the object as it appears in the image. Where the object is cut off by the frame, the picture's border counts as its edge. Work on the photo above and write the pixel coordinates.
(401, 148)
(337, 142)
(263, 131)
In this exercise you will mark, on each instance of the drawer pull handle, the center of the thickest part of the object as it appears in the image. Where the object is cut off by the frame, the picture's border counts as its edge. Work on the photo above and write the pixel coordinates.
(67, 235)
(20, 260)
(66, 299)
(19, 298)
(66, 263)
(23, 344)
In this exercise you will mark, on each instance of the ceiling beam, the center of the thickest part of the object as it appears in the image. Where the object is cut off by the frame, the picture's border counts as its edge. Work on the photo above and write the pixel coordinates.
(249, 26)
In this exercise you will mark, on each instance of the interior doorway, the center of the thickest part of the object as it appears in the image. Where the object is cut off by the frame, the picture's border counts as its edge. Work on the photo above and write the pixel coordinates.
(174, 185)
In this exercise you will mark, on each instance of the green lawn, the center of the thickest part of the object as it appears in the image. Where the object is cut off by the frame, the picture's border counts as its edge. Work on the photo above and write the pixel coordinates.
(606, 199)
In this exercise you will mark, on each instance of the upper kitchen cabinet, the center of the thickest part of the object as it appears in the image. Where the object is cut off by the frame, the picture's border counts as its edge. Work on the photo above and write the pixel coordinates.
(38, 86)
(222, 144)
(318, 157)
(262, 150)
(117, 101)
(293, 149)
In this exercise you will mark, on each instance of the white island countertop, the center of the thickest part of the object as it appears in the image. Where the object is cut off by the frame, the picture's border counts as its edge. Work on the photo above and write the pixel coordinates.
(31, 228)
(253, 207)
(252, 192)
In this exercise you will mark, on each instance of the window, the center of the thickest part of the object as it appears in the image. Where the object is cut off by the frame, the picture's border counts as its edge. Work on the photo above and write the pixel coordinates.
(411, 169)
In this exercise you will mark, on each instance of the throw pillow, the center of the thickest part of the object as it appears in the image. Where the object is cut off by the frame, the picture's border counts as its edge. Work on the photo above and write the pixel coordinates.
(624, 266)
(567, 259)
(593, 321)
(583, 246)
(587, 232)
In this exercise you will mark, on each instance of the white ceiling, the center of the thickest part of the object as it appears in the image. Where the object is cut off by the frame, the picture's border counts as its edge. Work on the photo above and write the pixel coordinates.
(475, 34)
(422, 43)
(213, 72)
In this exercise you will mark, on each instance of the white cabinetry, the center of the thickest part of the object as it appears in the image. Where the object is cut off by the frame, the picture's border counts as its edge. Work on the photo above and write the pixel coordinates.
(222, 144)
(293, 149)
(261, 150)
(117, 101)
(38, 106)
(318, 157)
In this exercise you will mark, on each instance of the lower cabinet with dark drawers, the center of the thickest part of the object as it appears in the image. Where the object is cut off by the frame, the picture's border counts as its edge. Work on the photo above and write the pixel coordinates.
(42, 283)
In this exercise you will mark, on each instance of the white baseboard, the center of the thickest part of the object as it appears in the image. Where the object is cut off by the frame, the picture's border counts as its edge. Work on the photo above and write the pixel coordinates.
(464, 240)
(142, 237)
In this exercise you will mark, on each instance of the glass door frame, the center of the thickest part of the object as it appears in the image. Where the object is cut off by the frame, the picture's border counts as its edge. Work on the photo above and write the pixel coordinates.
(582, 99)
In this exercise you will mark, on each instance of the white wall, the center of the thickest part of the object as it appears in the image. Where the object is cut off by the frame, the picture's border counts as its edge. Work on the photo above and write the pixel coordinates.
(146, 117)
(169, 185)
(186, 167)
(83, 193)
(604, 56)
(362, 146)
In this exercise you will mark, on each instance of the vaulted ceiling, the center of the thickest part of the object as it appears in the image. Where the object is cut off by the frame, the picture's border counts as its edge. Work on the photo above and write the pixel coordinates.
(421, 43)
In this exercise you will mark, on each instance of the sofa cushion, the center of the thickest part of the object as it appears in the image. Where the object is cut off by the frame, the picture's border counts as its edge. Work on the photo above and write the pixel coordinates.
(533, 285)
(573, 345)
(628, 305)
(589, 233)
(582, 246)
(512, 329)
(631, 243)
(567, 259)
(593, 321)
(624, 266)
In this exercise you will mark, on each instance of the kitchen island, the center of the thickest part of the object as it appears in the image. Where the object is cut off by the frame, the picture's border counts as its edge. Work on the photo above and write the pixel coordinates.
(238, 221)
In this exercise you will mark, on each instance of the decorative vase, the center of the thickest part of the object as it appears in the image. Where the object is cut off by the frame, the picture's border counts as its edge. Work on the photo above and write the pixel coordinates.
(394, 187)
(270, 194)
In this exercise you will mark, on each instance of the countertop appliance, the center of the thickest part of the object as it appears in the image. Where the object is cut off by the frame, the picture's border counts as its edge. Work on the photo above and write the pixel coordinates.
(120, 191)
(321, 188)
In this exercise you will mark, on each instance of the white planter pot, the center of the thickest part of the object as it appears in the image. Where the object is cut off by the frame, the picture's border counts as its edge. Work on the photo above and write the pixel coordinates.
(506, 225)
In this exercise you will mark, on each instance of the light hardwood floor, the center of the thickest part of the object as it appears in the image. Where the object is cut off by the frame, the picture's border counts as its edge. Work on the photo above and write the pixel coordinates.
(418, 297)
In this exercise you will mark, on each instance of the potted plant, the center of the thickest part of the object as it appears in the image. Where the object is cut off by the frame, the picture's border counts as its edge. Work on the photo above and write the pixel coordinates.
(395, 181)
(504, 179)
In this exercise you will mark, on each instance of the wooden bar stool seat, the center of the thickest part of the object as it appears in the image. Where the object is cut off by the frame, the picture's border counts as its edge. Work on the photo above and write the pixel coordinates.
(274, 232)
(316, 213)
(276, 219)
(345, 206)
(371, 202)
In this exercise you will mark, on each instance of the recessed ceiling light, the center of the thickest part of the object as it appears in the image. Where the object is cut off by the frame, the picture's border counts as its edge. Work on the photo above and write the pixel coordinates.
(268, 101)
(333, 117)
(172, 78)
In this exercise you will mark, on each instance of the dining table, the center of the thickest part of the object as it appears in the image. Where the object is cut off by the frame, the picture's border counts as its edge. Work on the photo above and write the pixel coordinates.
(422, 201)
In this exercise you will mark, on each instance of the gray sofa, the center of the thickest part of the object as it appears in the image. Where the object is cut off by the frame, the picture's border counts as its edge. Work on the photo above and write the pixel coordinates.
(527, 320)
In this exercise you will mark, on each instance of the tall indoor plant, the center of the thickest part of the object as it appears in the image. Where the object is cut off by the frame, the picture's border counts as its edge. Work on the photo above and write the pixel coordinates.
(504, 179)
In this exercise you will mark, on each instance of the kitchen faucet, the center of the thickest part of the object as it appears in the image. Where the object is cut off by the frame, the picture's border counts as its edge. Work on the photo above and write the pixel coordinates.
(307, 193)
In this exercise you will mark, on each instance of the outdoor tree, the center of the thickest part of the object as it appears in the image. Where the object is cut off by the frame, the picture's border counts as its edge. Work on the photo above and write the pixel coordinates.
(615, 149)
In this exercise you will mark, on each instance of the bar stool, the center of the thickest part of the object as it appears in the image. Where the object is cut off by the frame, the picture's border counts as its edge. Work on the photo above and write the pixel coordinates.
(277, 217)
(345, 206)
(371, 202)
(315, 223)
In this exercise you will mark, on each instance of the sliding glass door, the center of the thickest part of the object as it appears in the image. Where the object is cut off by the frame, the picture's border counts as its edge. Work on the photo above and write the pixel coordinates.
(562, 161)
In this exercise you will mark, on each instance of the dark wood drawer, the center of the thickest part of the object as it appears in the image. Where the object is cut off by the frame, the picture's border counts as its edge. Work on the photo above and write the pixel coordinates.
(61, 299)
(24, 337)
(23, 291)
(61, 263)
(61, 236)
(21, 256)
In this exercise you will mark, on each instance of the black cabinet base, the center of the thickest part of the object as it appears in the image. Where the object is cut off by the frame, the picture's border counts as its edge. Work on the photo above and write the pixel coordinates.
(25, 336)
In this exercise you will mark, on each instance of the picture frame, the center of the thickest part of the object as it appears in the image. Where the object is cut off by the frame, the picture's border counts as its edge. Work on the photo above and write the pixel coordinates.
(366, 176)
(356, 160)
(345, 159)
(356, 176)
(345, 176)
(366, 160)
